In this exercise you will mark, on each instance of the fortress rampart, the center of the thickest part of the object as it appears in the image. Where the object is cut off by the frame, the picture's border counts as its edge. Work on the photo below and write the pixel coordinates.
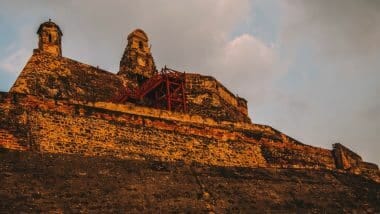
(218, 94)
(59, 105)
(135, 132)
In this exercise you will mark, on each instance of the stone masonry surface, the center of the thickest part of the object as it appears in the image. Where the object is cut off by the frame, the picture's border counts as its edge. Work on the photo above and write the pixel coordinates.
(66, 146)
(56, 183)
(133, 132)
(46, 75)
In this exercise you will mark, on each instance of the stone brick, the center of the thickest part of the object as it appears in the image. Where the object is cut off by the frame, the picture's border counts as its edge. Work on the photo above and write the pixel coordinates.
(58, 105)
(61, 108)
(134, 132)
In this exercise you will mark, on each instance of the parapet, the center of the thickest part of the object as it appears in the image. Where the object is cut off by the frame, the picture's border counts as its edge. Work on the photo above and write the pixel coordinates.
(346, 159)
(207, 92)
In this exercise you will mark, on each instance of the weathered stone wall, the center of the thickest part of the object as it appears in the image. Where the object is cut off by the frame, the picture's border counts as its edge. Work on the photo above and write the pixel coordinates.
(297, 156)
(14, 129)
(134, 132)
(46, 75)
(74, 128)
(56, 183)
(94, 132)
(9, 141)
(349, 160)
(344, 157)
(205, 93)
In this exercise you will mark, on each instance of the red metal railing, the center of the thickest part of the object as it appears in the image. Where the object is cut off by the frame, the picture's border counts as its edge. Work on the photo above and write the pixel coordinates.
(168, 88)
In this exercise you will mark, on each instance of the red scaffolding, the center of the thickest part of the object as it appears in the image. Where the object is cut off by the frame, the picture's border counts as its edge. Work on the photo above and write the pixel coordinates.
(166, 90)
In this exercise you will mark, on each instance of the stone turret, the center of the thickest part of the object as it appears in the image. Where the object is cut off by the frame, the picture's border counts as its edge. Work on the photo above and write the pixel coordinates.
(137, 61)
(49, 35)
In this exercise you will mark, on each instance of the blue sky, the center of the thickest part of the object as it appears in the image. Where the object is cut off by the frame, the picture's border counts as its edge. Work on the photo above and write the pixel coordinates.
(307, 68)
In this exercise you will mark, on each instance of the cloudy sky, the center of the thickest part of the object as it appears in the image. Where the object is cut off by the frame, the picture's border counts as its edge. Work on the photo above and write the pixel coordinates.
(308, 68)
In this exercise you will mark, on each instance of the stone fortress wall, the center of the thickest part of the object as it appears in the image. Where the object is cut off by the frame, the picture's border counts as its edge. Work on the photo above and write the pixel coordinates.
(135, 132)
(49, 74)
(59, 105)
(207, 91)
(46, 75)
(197, 81)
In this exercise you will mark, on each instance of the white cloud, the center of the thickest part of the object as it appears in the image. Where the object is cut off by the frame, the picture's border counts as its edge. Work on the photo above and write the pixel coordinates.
(334, 45)
(183, 33)
(194, 36)
(247, 48)
(248, 66)
(343, 30)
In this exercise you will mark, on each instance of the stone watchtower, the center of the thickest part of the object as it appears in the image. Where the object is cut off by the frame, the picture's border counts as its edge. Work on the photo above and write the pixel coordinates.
(137, 61)
(49, 35)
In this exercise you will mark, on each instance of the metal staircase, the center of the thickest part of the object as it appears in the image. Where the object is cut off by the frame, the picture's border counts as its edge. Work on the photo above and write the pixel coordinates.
(166, 89)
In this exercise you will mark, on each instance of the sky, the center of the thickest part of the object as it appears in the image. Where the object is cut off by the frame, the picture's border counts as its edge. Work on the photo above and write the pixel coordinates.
(307, 68)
